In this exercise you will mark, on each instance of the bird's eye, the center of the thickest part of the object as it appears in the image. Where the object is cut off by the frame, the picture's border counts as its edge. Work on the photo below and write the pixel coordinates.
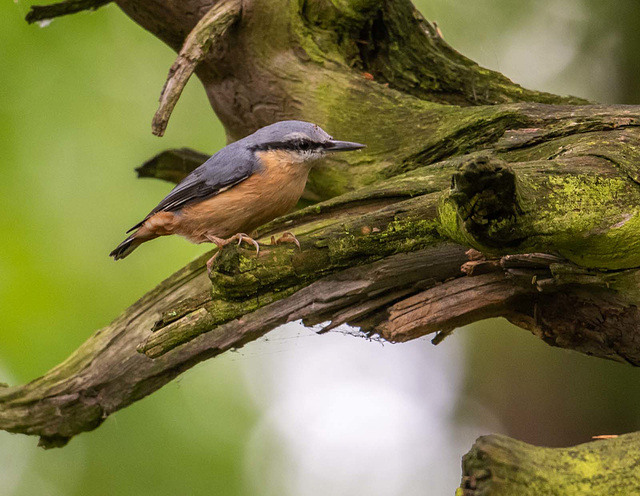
(304, 145)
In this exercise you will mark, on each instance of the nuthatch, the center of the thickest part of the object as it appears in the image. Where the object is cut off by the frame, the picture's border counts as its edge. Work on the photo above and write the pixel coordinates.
(244, 185)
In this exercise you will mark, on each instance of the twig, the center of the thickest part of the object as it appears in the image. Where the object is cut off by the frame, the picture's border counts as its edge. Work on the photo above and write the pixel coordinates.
(209, 29)
(172, 165)
(44, 12)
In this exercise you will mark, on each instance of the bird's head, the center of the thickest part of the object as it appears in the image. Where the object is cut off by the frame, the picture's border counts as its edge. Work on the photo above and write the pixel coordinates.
(301, 141)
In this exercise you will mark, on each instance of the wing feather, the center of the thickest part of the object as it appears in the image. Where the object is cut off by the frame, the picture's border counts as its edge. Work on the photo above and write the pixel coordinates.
(222, 171)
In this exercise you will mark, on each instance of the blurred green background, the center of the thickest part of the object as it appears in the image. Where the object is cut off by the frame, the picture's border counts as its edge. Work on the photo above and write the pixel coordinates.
(76, 101)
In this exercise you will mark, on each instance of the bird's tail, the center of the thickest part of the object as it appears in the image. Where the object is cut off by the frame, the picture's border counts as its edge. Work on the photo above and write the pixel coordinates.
(126, 247)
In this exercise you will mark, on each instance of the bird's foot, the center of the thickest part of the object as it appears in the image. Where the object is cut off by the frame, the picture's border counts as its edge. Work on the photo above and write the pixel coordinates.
(242, 237)
(219, 242)
(287, 237)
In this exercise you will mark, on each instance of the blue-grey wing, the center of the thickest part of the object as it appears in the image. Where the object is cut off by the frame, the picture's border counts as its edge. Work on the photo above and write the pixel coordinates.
(222, 171)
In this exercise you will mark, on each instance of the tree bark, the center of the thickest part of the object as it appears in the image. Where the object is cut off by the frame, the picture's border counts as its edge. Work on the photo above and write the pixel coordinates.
(500, 466)
(475, 198)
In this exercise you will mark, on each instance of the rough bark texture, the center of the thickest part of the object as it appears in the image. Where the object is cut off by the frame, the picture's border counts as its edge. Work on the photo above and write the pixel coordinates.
(211, 28)
(475, 198)
(500, 466)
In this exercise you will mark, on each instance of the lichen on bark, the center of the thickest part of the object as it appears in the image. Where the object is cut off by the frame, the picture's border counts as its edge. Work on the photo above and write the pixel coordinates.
(500, 466)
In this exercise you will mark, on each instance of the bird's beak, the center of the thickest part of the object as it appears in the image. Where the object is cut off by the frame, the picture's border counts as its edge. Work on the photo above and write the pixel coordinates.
(342, 146)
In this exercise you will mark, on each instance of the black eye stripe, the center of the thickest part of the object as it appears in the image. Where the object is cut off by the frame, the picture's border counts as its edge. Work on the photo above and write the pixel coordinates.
(303, 145)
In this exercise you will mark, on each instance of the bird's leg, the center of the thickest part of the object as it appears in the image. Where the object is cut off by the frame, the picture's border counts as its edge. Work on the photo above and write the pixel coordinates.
(287, 237)
(220, 243)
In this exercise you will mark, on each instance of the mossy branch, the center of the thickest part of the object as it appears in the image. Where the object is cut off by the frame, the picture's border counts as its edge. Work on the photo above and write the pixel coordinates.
(391, 258)
(475, 198)
(501, 466)
(213, 25)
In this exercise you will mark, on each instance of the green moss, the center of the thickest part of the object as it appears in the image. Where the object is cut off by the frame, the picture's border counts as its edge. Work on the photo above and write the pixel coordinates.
(575, 192)
(616, 248)
(366, 243)
(207, 319)
(449, 221)
(591, 220)
(240, 273)
(222, 311)
(501, 466)
(591, 217)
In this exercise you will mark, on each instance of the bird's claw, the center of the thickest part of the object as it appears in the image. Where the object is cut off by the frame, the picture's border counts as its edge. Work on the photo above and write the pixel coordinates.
(247, 239)
(220, 243)
(287, 237)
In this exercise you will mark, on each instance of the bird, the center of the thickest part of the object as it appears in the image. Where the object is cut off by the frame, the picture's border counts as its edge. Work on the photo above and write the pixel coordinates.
(241, 187)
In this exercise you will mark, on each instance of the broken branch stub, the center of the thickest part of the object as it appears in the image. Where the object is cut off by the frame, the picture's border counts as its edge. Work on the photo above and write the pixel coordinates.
(172, 165)
(209, 29)
(38, 13)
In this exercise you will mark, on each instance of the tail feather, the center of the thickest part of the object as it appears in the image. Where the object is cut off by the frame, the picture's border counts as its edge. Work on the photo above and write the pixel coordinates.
(126, 247)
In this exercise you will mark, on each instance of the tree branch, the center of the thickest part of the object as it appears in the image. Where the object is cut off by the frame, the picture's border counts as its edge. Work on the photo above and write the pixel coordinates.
(39, 13)
(213, 25)
(172, 165)
(388, 258)
(500, 466)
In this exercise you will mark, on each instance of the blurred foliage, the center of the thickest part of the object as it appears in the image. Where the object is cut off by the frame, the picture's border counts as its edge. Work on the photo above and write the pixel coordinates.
(612, 31)
(587, 48)
(76, 101)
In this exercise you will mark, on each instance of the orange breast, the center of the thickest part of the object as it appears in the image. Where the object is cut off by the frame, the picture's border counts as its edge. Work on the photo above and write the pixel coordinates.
(265, 195)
